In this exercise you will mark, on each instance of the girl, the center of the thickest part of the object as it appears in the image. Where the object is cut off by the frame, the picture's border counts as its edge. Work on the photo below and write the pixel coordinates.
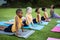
(45, 14)
(53, 15)
(29, 19)
(38, 16)
(17, 24)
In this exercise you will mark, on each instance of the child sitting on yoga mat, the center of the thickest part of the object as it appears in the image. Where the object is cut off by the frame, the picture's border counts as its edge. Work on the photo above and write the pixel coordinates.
(38, 16)
(45, 14)
(53, 15)
(17, 23)
(29, 19)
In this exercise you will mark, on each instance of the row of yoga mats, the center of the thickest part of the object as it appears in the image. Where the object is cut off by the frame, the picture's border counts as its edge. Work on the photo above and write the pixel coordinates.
(55, 29)
(26, 32)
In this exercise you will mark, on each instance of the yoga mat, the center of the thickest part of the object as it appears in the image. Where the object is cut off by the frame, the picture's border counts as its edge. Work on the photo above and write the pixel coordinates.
(4, 24)
(12, 20)
(26, 33)
(56, 29)
(58, 25)
(58, 21)
(35, 27)
(49, 38)
(44, 23)
(7, 33)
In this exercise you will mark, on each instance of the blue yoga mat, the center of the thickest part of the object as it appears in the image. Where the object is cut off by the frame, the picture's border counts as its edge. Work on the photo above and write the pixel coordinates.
(58, 25)
(12, 20)
(35, 27)
(44, 23)
(58, 21)
(4, 24)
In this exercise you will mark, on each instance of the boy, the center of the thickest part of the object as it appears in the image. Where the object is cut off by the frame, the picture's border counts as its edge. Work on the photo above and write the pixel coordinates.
(16, 25)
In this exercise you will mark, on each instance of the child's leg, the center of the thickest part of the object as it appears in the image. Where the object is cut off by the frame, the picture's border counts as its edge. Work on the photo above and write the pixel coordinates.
(22, 29)
(2, 28)
(47, 20)
(8, 29)
(34, 20)
(42, 18)
(24, 22)
(56, 16)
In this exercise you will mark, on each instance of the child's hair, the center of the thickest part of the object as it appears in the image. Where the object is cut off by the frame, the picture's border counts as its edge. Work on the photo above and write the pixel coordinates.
(28, 8)
(37, 9)
(43, 9)
(53, 6)
(18, 10)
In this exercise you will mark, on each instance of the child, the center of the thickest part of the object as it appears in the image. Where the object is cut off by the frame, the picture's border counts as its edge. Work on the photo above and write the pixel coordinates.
(29, 19)
(45, 14)
(38, 16)
(53, 15)
(17, 24)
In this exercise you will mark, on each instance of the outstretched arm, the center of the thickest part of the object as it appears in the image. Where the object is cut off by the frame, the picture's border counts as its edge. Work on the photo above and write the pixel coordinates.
(16, 25)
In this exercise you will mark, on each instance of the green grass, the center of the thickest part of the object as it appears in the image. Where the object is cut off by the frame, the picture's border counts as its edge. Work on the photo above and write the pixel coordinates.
(9, 13)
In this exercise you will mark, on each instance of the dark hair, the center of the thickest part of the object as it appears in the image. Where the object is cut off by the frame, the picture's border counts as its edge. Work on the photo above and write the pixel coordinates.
(37, 9)
(53, 7)
(18, 10)
(43, 9)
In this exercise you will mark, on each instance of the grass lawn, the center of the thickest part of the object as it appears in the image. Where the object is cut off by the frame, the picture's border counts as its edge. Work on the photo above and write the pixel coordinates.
(9, 13)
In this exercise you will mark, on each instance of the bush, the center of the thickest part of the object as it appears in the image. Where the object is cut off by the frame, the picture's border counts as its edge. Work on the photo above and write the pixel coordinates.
(33, 3)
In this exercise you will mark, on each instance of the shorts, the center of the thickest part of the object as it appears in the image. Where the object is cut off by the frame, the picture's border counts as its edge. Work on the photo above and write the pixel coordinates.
(8, 29)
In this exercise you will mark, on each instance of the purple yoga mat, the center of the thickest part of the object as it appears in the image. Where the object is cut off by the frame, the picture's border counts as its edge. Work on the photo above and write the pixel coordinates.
(56, 29)
(49, 38)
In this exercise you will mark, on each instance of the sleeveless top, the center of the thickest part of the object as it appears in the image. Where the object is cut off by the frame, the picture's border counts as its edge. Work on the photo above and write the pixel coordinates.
(29, 19)
(19, 24)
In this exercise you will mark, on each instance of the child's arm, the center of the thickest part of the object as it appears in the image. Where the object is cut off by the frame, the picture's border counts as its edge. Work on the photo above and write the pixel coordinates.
(39, 18)
(27, 19)
(32, 22)
(16, 25)
(22, 27)
(46, 15)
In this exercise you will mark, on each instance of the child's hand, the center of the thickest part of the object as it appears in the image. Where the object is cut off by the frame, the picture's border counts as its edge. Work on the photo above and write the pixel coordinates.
(22, 24)
(32, 24)
(17, 34)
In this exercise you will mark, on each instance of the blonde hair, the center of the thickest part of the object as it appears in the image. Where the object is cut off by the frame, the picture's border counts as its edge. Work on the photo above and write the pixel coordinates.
(28, 9)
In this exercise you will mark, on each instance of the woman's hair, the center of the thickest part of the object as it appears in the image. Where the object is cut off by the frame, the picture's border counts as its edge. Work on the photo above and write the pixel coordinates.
(53, 6)
(28, 8)
(18, 10)
(36, 9)
(43, 9)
